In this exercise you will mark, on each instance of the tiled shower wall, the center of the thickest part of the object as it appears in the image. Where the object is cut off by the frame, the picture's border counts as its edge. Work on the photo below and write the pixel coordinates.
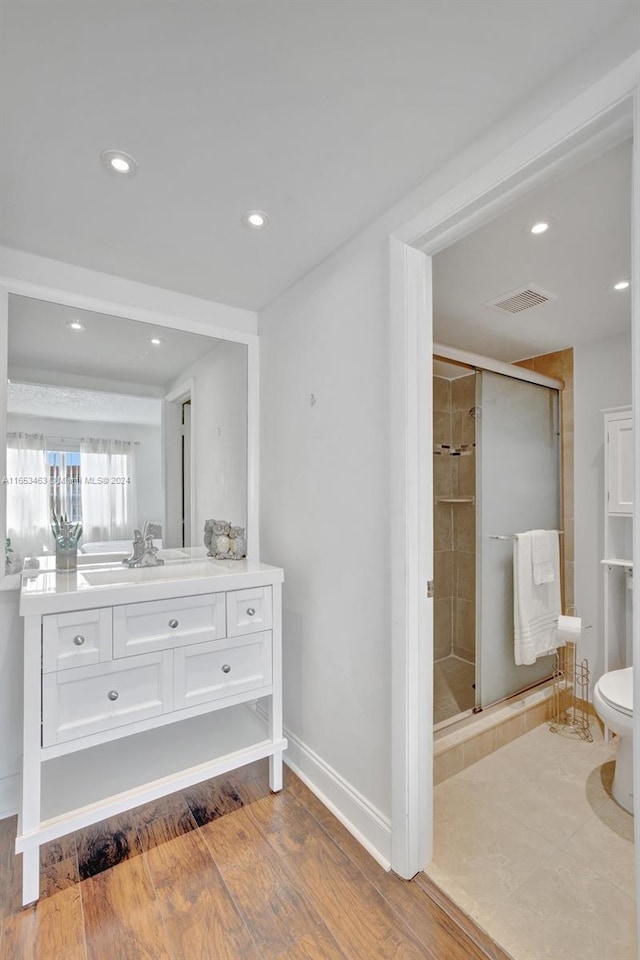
(454, 523)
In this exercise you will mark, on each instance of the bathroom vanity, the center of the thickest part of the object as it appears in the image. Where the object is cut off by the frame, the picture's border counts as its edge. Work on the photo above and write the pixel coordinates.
(141, 682)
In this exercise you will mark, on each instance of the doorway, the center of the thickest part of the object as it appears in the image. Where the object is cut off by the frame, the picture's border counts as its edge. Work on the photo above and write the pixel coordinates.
(604, 113)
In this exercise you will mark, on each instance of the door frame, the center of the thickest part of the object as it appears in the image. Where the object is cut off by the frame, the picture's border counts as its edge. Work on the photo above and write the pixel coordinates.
(607, 111)
(171, 439)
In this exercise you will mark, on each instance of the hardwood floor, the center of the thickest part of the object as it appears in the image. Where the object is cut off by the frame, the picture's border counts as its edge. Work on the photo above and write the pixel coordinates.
(226, 871)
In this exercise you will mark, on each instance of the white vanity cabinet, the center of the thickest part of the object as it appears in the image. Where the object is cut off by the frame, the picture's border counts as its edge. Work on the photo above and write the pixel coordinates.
(136, 689)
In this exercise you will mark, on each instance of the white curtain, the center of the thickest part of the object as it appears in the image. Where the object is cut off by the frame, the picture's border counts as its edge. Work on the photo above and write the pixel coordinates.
(107, 470)
(28, 520)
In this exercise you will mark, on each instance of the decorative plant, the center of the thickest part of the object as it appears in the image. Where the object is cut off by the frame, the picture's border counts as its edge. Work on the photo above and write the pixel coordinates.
(64, 529)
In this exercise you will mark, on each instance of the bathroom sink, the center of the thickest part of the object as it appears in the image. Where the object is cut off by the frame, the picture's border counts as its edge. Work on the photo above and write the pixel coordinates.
(169, 571)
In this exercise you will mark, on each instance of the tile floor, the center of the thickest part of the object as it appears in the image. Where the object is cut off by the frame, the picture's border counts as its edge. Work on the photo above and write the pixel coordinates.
(453, 689)
(529, 842)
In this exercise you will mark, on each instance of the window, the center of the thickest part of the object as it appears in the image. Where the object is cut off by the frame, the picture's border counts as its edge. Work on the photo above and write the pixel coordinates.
(65, 483)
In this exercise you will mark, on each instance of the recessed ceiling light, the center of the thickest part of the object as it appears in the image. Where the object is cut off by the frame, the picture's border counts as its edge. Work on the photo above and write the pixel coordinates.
(119, 162)
(621, 285)
(156, 341)
(75, 325)
(255, 219)
(541, 227)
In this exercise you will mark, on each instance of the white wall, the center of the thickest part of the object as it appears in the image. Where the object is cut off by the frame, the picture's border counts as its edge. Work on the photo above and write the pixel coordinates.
(325, 507)
(325, 492)
(147, 453)
(219, 436)
(602, 379)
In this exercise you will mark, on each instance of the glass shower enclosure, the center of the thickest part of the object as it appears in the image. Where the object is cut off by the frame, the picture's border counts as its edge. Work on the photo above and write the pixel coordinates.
(517, 489)
(496, 473)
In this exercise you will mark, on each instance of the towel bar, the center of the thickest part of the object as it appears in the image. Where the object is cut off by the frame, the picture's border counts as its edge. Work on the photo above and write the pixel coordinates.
(512, 536)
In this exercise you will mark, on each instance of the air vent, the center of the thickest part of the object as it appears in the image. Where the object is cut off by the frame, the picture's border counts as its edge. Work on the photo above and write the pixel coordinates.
(521, 299)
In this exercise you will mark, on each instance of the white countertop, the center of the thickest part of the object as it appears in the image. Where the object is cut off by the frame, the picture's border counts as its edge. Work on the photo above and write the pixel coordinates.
(107, 584)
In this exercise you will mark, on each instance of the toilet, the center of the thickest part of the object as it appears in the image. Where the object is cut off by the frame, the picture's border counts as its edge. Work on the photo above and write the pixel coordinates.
(613, 701)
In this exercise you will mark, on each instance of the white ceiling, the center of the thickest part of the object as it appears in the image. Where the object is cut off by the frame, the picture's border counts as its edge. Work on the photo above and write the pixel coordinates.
(70, 403)
(586, 249)
(321, 113)
(108, 349)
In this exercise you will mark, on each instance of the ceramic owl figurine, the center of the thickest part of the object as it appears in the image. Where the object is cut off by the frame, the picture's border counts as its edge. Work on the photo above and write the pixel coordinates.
(237, 543)
(216, 538)
(208, 534)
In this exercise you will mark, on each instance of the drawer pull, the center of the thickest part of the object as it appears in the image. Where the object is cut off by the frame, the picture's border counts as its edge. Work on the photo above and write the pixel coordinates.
(78, 640)
(113, 694)
(250, 611)
(226, 668)
(173, 624)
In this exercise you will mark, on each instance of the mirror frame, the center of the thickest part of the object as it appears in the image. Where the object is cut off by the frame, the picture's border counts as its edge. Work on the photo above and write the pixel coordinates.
(145, 314)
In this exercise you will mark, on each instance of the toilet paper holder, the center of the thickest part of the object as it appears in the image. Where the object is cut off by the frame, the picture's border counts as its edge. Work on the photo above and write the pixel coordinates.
(570, 693)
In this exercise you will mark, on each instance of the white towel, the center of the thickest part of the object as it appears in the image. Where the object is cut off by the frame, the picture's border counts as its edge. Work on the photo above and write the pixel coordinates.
(544, 544)
(536, 607)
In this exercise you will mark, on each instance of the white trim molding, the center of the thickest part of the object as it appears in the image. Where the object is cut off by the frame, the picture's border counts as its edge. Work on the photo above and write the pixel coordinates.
(518, 167)
(367, 824)
(59, 282)
(411, 558)
(361, 818)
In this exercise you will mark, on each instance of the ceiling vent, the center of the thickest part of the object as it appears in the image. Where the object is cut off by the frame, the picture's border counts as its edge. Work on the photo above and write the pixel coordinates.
(521, 299)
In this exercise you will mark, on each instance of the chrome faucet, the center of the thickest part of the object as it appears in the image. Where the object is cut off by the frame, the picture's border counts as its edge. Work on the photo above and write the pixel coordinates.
(144, 553)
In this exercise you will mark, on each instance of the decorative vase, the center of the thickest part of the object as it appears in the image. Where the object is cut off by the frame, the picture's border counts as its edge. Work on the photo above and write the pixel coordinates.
(66, 554)
(67, 534)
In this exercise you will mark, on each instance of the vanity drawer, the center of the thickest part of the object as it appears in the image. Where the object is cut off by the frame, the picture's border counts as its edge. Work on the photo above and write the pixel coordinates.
(76, 639)
(86, 700)
(163, 624)
(248, 611)
(211, 671)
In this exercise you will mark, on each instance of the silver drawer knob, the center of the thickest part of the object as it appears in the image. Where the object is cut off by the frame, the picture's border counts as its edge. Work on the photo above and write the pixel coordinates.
(79, 640)
(113, 694)
(226, 668)
(250, 611)
(173, 624)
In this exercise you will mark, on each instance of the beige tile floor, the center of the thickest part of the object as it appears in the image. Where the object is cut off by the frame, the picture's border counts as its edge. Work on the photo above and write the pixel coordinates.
(453, 690)
(529, 842)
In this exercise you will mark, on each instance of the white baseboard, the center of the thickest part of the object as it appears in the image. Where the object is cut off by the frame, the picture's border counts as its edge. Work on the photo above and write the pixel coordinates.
(9, 795)
(364, 821)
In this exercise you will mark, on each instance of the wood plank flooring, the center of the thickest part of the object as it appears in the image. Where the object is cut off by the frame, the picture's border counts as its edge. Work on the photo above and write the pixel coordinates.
(226, 871)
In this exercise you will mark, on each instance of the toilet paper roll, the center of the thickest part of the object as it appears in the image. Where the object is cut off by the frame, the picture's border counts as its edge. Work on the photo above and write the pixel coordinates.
(569, 629)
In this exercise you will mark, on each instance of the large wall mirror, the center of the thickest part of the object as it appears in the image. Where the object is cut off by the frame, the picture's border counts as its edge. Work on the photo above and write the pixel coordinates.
(120, 423)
